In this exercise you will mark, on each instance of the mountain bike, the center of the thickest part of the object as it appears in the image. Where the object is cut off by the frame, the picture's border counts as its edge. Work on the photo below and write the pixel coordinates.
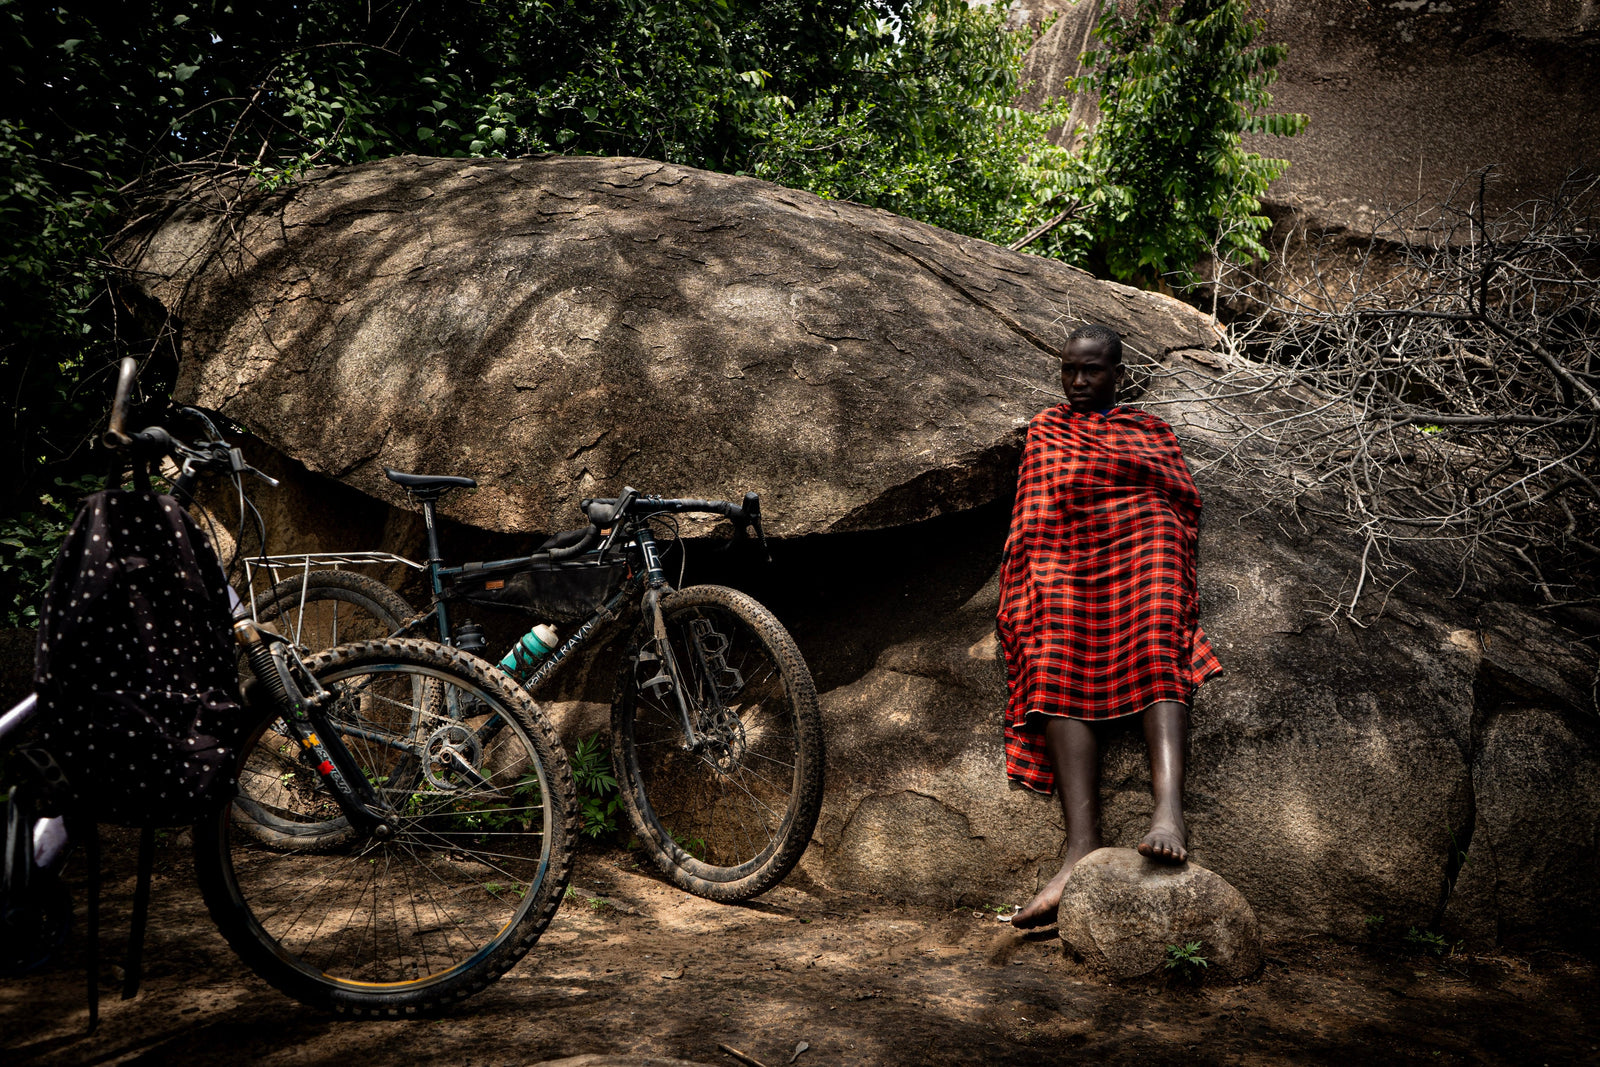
(402, 830)
(717, 740)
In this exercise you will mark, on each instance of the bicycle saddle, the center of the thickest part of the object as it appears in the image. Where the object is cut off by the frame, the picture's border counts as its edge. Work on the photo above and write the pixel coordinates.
(429, 483)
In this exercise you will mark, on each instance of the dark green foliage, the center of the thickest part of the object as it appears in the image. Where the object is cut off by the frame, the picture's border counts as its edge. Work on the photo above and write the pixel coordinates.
(28, 544)
(1428, 943)
(598, 798)
(1167, 178)
(924, 125)
(1185, 961)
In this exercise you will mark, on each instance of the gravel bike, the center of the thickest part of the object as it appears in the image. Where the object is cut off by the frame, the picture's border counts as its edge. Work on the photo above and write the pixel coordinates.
(403, 825)
(717, 740)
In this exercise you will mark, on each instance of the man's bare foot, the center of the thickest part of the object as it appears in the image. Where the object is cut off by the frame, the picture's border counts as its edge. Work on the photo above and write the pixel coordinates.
(1166, 839)
(1041, 910)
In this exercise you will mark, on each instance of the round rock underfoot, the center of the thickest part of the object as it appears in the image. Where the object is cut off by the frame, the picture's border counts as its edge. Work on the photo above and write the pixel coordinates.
(1121, 911)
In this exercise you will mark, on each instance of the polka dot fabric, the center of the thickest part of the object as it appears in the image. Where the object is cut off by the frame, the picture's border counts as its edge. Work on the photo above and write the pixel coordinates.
(136, 668)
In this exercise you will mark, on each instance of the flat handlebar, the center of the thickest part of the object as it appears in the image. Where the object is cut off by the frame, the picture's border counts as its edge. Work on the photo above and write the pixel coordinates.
(603, 512)
(152, 440)
(116, 435)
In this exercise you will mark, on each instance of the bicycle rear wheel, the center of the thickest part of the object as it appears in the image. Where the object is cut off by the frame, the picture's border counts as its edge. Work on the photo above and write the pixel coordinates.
(320, 609)
(483, 811)
(729, 820)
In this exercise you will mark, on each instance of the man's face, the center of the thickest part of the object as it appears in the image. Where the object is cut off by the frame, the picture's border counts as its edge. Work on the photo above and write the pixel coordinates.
(1088, 376)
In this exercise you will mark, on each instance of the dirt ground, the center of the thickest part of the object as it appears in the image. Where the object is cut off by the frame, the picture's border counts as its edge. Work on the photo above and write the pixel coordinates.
(632, 966)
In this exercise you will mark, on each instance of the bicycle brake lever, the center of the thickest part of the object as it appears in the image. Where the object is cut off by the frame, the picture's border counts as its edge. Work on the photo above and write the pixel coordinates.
(761, 537)
(237, 464)
(743, 530)
(752, 514)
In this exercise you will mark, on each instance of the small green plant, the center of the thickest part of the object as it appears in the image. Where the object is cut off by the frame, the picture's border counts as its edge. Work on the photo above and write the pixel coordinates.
(1374, 923)
(1427, 942)
(694, 846)
(599, 799)
(1184, 961)
(495, 889)
(29, 542)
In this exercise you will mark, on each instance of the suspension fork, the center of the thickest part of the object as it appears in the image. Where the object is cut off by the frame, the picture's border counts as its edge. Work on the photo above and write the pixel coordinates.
(307, 720)
(692, 741)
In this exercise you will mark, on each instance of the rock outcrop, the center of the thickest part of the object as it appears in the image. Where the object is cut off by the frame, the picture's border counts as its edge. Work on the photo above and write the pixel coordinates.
(557, 327)
(1120, 912)
(1406, 98)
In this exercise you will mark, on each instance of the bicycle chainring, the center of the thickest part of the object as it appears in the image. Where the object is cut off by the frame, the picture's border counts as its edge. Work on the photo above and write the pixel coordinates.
(450, 758)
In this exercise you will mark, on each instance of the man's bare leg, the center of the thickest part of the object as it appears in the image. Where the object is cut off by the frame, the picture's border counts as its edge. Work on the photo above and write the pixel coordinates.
(1166, 733)
(1074, 753)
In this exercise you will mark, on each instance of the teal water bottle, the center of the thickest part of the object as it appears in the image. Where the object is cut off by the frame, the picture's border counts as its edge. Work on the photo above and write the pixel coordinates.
(534, 646)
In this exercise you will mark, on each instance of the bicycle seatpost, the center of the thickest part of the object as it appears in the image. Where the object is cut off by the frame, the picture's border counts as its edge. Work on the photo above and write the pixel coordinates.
(435, 557)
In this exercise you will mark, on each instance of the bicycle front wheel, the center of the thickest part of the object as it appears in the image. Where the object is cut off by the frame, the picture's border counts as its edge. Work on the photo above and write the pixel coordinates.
(482, 812)
(729, 817)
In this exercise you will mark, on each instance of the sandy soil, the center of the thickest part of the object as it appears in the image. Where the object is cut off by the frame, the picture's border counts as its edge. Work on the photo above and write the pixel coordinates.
(633, 966)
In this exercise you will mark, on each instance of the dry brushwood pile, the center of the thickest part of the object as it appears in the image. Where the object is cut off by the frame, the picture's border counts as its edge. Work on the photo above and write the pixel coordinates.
(1442, 388)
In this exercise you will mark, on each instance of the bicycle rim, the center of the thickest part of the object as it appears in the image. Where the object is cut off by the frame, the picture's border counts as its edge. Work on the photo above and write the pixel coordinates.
(482, 803)
(730, 820)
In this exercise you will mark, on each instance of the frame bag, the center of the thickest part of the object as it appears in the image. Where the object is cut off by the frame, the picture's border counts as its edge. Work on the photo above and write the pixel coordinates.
(551, 592)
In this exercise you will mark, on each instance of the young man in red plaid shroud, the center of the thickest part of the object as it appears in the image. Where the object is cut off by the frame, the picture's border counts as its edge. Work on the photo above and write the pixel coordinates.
(1098, 606)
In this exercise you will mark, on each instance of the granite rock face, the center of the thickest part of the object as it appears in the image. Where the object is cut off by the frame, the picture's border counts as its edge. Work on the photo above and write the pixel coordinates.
(1120, 911)
(1525, 869)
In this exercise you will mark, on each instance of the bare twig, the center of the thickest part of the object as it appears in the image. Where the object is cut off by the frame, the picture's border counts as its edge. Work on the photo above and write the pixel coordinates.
(742, 1057)
(1441, 385)
(1039, 231)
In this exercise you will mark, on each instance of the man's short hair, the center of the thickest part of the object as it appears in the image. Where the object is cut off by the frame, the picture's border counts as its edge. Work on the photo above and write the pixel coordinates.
(1105, 335)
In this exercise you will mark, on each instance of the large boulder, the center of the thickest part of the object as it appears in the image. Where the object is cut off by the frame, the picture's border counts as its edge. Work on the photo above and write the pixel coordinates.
(1120, 914)
(386, 314)
(558, 327)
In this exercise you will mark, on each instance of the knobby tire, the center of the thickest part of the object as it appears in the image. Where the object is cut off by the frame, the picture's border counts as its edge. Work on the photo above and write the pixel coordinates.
(730, 822)
(485, 813)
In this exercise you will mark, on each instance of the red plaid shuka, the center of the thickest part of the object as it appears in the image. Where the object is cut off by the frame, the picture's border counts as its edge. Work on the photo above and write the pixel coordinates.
(1098, 613)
